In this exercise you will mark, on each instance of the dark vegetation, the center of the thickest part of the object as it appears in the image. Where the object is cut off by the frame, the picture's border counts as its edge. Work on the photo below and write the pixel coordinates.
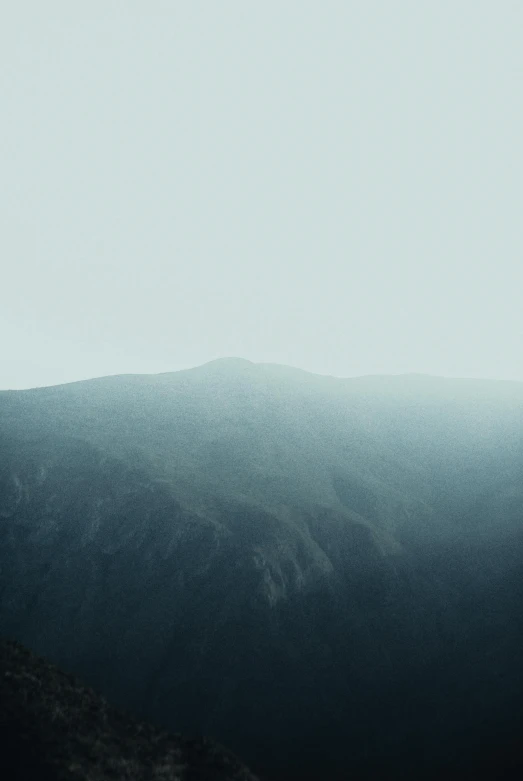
(324, 575)
(55, 729)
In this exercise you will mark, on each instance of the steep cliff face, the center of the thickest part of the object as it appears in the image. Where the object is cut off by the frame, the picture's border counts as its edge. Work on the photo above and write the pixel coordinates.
(321, 573)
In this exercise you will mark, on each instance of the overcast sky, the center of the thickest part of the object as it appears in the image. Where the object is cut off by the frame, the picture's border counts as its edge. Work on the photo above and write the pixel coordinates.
(332, 185)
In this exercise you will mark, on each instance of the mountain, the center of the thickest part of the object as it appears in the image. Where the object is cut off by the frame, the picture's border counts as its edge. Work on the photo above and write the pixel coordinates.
(323, 574)
(56, 729)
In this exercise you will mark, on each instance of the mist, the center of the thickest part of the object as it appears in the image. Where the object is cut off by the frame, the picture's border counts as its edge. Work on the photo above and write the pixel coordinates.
(334, 186)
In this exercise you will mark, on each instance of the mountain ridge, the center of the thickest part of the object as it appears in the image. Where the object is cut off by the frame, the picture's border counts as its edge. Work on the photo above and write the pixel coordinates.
(272, 560)
(232, 362)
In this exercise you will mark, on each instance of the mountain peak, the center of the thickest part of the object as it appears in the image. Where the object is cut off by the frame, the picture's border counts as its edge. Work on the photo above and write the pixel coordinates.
(229, 362)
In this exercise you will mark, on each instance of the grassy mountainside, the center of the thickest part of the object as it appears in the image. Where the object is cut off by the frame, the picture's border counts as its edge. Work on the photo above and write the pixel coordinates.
(324, 574)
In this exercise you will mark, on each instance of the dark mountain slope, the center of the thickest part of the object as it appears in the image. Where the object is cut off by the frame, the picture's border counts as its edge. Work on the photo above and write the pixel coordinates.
(55, 729)
(324, 574)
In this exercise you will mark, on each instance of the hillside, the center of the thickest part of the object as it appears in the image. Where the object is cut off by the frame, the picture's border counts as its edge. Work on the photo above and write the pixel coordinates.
(323, 574)
(56, 729)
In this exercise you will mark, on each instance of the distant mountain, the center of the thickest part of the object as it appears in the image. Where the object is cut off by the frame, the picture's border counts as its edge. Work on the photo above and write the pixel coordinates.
(324, 574)
(56, 729)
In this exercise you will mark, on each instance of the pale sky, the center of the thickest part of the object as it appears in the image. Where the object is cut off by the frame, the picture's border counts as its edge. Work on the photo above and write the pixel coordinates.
(334, 185)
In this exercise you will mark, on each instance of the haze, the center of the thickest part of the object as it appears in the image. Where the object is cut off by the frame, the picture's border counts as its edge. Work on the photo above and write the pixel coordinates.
(331, 185)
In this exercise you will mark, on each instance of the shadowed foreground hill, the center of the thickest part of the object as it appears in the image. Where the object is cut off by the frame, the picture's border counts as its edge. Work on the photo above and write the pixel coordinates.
(53, 728)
